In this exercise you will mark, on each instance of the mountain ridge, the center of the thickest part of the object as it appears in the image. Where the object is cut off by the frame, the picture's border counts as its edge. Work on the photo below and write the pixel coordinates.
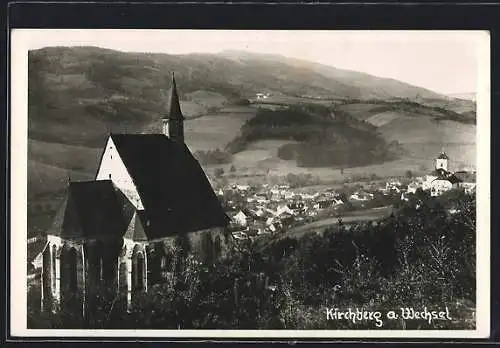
(328, 70)
(229, 55)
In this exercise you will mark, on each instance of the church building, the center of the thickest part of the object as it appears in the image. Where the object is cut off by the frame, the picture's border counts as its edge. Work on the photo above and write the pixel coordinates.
(441, 179)
(123, 230)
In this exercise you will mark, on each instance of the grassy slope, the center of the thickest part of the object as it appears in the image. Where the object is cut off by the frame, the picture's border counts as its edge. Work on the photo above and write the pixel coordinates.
(212, 131)
(44, 178)
(77, 158)
(420, 134)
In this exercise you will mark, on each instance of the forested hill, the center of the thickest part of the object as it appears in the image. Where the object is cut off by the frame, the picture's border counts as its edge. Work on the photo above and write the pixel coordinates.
(319, 136)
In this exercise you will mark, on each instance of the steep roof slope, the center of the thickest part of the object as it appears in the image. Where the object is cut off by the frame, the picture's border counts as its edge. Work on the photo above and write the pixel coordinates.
(91, 209)
(175, 191)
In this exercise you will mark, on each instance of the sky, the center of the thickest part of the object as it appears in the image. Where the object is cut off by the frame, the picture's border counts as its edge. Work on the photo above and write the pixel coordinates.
(446, 62)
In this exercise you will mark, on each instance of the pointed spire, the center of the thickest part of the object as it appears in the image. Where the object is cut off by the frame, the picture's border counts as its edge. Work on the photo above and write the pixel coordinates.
(108, 130)
(175, 107)
(173, 126)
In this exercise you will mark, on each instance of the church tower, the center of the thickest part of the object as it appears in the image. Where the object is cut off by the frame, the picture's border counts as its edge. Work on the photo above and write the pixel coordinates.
(442, 162)
(173, 124)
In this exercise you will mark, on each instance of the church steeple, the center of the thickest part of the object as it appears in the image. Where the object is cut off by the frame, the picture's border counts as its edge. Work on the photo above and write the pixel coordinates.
(173, 124)
(442, 161)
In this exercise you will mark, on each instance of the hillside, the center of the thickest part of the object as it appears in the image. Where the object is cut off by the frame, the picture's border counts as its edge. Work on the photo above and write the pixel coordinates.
(317, 136)
(79, 94)
(350, 84)
(367, 110)
(465, 96)
(361, 85)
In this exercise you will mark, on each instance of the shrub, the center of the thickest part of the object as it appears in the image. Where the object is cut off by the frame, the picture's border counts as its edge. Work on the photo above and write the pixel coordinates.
(419, 256)
(219, 172)
(216, 156)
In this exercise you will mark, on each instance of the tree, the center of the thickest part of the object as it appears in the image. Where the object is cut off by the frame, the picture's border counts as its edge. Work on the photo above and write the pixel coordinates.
(415, 256)
(219, 172)
(409, 174)
(232, 169)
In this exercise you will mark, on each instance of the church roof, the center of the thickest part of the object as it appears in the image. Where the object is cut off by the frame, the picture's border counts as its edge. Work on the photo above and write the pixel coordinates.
(443, 156)
(440, 172)
(135, 230)
(449, 177)
(90, 209)
(35, 249)
(175, 192)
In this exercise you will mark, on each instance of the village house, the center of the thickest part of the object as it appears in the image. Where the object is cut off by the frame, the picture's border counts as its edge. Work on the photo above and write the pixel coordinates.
(242, 188)
(240, 235)
(361, 196)
(297, 207)
(286, 219)
(283, 209)
(241, 218)
(122, 230)
(326, 203)
(392, 186)
(412, 187)
(467, 180)
(272, 224)
(262, 95)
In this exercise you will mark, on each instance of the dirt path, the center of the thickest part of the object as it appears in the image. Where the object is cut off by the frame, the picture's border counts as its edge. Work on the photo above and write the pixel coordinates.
(356, 216)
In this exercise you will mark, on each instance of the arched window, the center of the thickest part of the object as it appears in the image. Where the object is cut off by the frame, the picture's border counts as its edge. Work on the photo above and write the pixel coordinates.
(217, 246)
(96, 262)
(156, 263)
(122, 282)
(109, 267)
(53, 264)
(138, 271)
(69, 280)
(72, 270)
(169, 262)
(207, 246)
(101, 268)
(46, 273)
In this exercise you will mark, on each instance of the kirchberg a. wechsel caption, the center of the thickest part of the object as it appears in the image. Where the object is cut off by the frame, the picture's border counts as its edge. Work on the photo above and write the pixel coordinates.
(359, 316)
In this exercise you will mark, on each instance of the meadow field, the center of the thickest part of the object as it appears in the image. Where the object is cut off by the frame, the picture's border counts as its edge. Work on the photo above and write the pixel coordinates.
(214, 130)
